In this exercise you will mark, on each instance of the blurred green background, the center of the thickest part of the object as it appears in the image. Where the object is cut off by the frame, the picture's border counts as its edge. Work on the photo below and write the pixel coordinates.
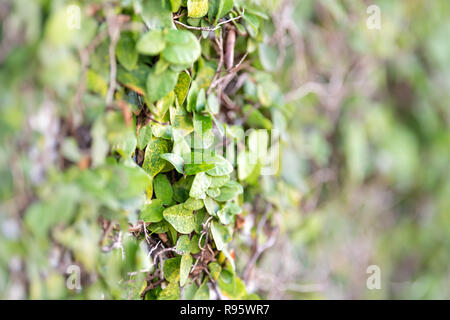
(365, 176)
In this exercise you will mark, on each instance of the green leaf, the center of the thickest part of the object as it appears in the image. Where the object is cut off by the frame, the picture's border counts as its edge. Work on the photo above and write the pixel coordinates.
(268, 56)
(228, 191)
(219, 8)
(182, 47)
(184, 244)
(199, 186)
(192, 168)
(182, 86)
(124, 144)
(194, 243)
(213, 192)
(220, 234)
(218, 181)
(135, 79)
(189, 291)
(227, 213)
(144, 137)
(171, 292)
(201, 101)
(159, 227)
(200, 217)
(197, 8)
(153, 164)
(185, 268)
(157, 14)
(163, 189)
(126, 52)
(175, 160)
(162, 131)
(181, 219)
(203, 136)
(256, 119)
(214, 270)
(160, 85)
(171, 269)
(223, 166)
(151, 43)
(227, 282)
(181, 189)
(152, 212)
(213, 104)
(175, 5)
(192, 97)
(202, 292)
(211, 206)
(193, 204)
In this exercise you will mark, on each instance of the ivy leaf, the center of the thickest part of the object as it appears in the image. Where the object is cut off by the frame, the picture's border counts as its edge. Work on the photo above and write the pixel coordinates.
(193, 204)
(214, 270)
(256, 119)
(219, 8)
(227, 213)
(182, 86)
(220, 234)
(213, 104)
(135, 79)
(189, 291)
(203, 136)
(159, 227)
(182, 47)
(181, 219)
(202, 292)
(171, 269)
(151, 43)
(192, 97)
(223, 166)
(194, 168)
(181, 189)
(197, 8)
(157, 14)
(228, 191)
(200, 217)
(153, 164)
(171, 292)
(201, 100)
(211, 206)
(175, 5)
(199, 186)
(213, 192)
(194, 243)
(152, 212)
(175, 160)
(163, 189)
(124, 144)
(218, 181)
(160, 85)
(226, 282)
(184, 244)
(126, 52)
(144, 136)
(185, 267)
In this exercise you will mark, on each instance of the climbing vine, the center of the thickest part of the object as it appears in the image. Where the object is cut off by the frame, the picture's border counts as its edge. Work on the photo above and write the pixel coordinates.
(165, 119)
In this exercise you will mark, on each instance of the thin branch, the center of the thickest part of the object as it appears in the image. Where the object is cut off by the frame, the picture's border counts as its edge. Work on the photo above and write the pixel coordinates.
(114, 34)
(209, 28)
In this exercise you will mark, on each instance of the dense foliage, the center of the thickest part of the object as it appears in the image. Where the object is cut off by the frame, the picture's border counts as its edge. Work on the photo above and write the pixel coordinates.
(235, 149)
(134, 107)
